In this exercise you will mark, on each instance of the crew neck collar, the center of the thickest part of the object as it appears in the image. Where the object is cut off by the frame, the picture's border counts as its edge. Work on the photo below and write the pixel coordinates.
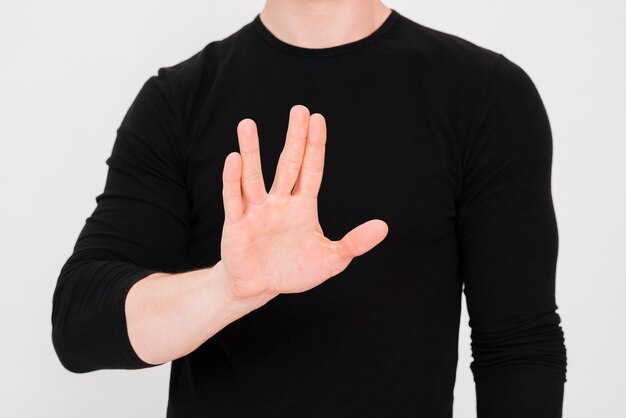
(323, 52)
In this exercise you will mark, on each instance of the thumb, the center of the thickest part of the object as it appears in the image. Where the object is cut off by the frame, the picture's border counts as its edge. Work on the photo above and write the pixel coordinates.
(362, 238)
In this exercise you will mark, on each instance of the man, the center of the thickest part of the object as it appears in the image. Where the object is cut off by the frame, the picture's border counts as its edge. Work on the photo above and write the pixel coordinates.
(436, 158)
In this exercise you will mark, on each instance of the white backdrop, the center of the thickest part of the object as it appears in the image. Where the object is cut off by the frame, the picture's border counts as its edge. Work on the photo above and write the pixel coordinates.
(69, 69)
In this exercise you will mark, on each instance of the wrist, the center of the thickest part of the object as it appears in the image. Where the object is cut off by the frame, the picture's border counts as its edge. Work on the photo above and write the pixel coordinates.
(225, 285)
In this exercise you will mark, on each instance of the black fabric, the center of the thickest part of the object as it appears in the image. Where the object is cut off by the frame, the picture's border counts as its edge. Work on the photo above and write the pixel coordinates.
(445, 140)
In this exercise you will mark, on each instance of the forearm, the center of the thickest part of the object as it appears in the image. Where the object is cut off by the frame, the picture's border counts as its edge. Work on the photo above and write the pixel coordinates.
(520, 371)
(520, 393)
(170, 315)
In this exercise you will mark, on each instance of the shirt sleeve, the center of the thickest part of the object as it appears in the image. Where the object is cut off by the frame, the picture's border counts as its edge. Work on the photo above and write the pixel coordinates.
(508, 241)
(139, 226)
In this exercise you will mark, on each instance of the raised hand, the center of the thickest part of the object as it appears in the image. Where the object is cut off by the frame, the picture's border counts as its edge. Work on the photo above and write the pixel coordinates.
(273, 242)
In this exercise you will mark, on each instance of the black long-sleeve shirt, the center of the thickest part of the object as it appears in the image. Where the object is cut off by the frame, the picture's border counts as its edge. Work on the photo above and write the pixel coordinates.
(446, 141)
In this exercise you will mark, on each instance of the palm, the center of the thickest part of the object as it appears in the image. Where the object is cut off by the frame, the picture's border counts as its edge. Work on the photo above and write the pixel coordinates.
(273, 241)
(283, 244)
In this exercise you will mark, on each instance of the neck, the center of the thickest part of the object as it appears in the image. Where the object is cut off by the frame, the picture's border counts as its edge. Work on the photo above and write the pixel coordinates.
(322, 23)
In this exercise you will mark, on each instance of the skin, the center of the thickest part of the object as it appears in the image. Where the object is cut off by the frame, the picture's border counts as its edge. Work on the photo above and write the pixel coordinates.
(278, 233)
(272, 242)
(322, 23)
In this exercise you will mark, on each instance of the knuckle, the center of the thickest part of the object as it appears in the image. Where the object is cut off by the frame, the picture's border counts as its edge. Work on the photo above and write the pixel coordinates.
(252, 176)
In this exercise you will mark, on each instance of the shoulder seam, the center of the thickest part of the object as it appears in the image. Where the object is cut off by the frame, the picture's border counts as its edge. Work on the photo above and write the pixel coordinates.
(485, 94)
(179, 131)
